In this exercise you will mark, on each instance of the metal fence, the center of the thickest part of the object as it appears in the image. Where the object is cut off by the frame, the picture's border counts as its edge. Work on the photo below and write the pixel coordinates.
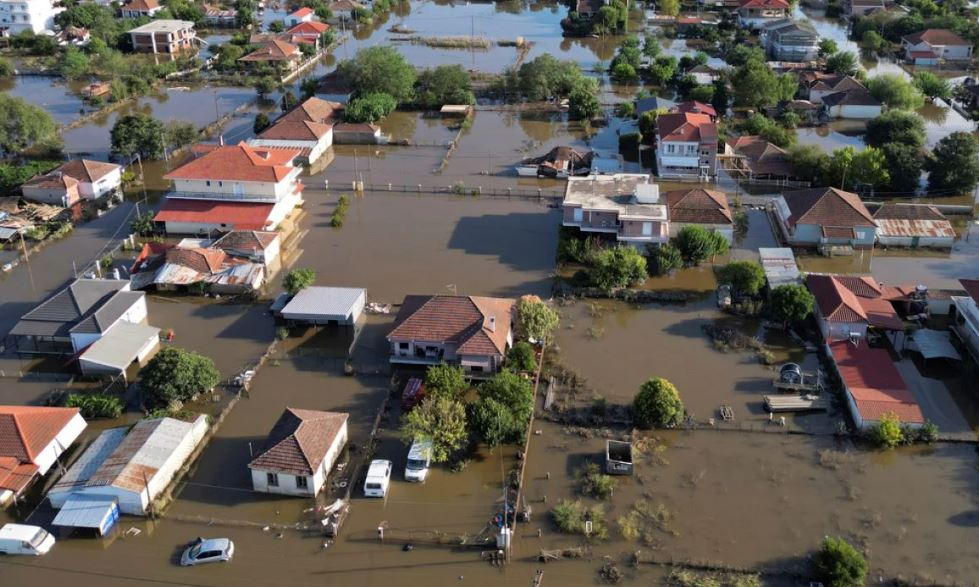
(457, 189)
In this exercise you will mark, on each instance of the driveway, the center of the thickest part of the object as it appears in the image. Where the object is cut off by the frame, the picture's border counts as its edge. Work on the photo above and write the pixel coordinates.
(936, 402)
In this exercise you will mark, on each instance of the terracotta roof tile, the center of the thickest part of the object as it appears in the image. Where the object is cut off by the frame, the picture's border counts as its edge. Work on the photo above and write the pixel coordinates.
(936, 37)
(874, 382)
(299, 441)
(254, 241)
(238, 163)
(86, 170)
(26, 430)
(14, 475)
(461, 320)
(273, 50)
(827, 206)
(296, 130)
(200, 260)
(141, 5)
(698, 206)
(762, 157)
(695, 107)
(686, 127)
(236, 215)
(309, 28)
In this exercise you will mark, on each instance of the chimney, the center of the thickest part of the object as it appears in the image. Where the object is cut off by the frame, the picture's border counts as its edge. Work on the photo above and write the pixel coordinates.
(492, 323)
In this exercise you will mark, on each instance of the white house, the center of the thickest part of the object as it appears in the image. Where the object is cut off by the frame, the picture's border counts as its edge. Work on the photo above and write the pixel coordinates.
(136, 467)
(304, 14)
(125, 348)
(232, 187)
(913, 225)
(790, 40)
(140, 8)
(312, 139)
(626, 205)
(707, 208)
(686, 145)
(32, 439)
(964, 317)
(932, 46)
(78, 179)
(856, 104)
(299, 453)
(755, 13)
(17, 16)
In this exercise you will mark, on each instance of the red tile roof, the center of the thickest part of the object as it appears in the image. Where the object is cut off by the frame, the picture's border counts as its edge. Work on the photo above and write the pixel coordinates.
(695, 107)
(14, 475)
(698, 206)
(764, 4)
(238, 215)
(461, 320)
(874, 382)
(686, 127)
(296, 130)
(86, 170)
(971, 287)
(302, 12)
(309, 28)
(26, 430)
(147, 253)
(53, 180)
(299, 441)
(238, 163)
(936, 37)
(141, 5)
(254, 241)
(855, 300)
(827, 207)
(273, 50)
(762, 157)
(200, 260)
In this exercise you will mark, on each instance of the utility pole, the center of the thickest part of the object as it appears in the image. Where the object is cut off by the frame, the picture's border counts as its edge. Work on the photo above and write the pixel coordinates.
(27, 258)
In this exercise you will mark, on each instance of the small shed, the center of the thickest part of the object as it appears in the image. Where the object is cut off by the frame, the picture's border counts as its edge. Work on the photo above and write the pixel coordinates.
(327, 305)
(125, 345)
(913, 225)
(92, 512)
(780, 266)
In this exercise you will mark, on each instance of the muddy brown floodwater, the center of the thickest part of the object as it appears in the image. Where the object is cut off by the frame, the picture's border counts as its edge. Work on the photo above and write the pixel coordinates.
(764, 499)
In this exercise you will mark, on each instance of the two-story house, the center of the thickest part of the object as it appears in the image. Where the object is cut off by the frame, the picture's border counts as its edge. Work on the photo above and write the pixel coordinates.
(933, 46)
(17, 16)
(820, 217)
(755, 13)
(140, 8)
(164, 36)
(686, 145)
(625, 205)
(473, 332)
(232, 187)
(789, 40)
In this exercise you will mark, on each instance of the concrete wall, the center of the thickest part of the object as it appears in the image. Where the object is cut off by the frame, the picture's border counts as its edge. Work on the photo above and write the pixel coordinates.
(54, 196)
(239, 190)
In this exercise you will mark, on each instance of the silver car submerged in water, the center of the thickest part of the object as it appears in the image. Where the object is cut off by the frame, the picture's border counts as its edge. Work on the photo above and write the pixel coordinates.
(207, 550)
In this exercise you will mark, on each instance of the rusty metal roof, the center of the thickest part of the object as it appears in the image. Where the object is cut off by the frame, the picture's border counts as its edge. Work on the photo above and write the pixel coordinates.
(920, 228)
(144, 451)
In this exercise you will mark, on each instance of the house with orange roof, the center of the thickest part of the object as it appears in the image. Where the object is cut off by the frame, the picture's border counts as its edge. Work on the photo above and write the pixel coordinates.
(933, 46)
(309, 33)
(304, 14)
(275, 51)
(707, 208)
(759, 158)
(686, 145)
(32, 439)
(755, 13)
(873, 385)
(299, 452)
(232, 187)
(820, 217)
(474, 332)
(140, 8)
(848, 305)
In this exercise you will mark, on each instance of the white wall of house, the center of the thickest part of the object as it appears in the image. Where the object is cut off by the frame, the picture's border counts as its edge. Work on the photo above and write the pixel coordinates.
(263, 191)
(855, 112)
(53, 196)
(271, 253)
(103, 186)
(937, 242)
(949, 52)
(68, 435)
(966, 323)
(286, 482)
(36, 16)
(317, 147)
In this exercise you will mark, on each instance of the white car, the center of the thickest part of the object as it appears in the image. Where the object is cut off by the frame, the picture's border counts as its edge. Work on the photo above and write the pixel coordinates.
(419, 460)
(25, 540)
(378, 478)
(207, 550)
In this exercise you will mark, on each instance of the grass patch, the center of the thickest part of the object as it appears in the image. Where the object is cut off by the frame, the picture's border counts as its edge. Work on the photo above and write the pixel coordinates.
(726, 340)
(594, 483)
(687, 578)
(645, 520)
(570, 517)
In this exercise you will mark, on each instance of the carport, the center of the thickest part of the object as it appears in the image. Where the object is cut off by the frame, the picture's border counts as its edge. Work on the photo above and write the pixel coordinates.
(95, 512)
(934, 344)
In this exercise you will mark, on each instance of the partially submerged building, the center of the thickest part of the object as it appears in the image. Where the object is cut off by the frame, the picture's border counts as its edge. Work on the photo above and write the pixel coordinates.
(624, 205)
(848, 305)
(873, 385)
(964, 316)
(821, 217)
(780, 266)
(132, 468)
(913, 225)
(474, 332)
(686, 144)
(300, 452)
(338, 306)
(32, 439)
(701, 207)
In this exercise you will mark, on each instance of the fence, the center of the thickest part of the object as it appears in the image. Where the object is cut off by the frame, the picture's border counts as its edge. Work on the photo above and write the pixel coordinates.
(460, 189)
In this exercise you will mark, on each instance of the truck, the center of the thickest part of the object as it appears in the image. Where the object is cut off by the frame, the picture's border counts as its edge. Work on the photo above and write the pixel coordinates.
(618, 457)
(413, 394)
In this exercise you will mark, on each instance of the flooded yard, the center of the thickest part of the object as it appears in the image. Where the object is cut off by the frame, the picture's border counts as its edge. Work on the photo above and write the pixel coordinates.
(765, 499)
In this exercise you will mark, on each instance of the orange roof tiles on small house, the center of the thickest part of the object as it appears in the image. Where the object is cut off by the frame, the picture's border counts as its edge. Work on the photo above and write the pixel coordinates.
(478, 325)
(238, 163)
(302, 13)
(874, 384)
(309, 29)
(239, 215)
(299, 441)
(686, 127)
(856, 300)
(273, 50)
(827, 207)
(698, 206)
(26, 435)
(936, 37)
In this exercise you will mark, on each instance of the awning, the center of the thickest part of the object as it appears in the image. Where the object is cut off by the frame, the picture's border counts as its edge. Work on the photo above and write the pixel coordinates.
(935, 344)
(98, 512)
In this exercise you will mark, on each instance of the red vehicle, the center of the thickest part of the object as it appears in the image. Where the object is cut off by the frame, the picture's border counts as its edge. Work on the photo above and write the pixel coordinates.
(413, 394)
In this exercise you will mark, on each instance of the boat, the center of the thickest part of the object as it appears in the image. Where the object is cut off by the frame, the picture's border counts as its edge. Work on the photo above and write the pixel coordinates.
(527, 170)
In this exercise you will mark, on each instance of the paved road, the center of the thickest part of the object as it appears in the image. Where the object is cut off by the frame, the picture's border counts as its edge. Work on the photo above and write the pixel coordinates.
(52, 266)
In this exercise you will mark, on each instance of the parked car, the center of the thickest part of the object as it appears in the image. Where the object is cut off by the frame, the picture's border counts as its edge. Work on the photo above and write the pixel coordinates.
(378, 478)
(419, 460)
(25, 540)
(413, 394)
(207, 550)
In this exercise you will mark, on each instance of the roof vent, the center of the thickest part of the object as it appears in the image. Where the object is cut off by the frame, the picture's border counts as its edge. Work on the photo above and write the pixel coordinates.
(647, 193)
(492, 323)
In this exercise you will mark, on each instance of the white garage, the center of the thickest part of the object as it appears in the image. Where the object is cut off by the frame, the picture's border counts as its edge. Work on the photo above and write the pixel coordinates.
(327, 305)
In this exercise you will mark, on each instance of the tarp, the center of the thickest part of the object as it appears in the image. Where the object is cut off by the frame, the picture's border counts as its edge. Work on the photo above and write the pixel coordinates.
(98, 512)
(935, 344)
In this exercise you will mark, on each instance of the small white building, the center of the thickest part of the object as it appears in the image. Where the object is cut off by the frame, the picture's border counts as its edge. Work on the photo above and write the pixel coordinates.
(964, 317)
(300, 452)
(123, 350)
(933, 46)
(342, 306)
(17, 16)
(134, 468)
(78, 179)
(856, 104)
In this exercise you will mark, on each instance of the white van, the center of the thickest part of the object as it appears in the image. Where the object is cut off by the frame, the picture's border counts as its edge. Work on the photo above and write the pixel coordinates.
(419, 460)
(378, 478)
(27, 540)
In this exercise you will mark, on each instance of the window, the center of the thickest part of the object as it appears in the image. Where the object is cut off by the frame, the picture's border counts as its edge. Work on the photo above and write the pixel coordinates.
(476, 368)
(705, 153)
(272, 479)
(403, 345)
(302, 482)
(208, 182)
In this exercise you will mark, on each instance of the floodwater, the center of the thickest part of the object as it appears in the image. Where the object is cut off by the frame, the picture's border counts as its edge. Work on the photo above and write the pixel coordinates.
(60, 99)
(768, 499)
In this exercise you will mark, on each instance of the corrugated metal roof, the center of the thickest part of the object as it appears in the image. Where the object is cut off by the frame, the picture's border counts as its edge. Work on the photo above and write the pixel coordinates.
(779, 265)
(912, 228)
(120, 346)
(324, 301)
(85, 511)
(78, 475)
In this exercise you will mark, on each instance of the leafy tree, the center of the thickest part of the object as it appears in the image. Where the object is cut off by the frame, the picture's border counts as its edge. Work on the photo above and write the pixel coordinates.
(289, 101)
(6, 68)
(848, 167)
(647, 123)
(669, 7)
(74, 63)
(547, 77)
(138, 134)
(264, 86)
(228, 56)
(96, 405)
(14, 173)
(261, 123)
(625, 110)
(718, 244)
(932, 86)
(445, 380)
(619, 266)
(896, 126)
(838, 564)
(746, 277)
(703, 94)
(624, 73)
(743, 53)
(582, 102)
(664, 259)
(380, 70)
(522, 357)
(277, 26)
(512, 391)
(493, 423)
(904, 166)
(768, 129)
(535, 319)
(663, 69)
(440, 420)
(790, 303)
(755, 84)
(369, 108)
(657, 405)
(895, 91)
(143, 224)
(827, 47)
(843, 63)
(650, 47)
(175, 374)
(179, 133)
(185, 10)
(445, 84)
(887, 432)
(696, 244)
(873, 41)
(722, 97)
(810, 162)
(298, 279)
(23, 124)
(954, 164)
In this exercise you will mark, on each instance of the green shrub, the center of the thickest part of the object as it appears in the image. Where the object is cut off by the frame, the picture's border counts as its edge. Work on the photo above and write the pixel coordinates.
(96, 405)
(657, 405)
(594, 483)
(838, 564)
(570, 517)
(522, 357)
(887, 433)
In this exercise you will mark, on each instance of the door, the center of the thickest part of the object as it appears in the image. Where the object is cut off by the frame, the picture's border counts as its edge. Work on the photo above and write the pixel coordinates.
(579, 215)
(239, 191)
(915, 242)
(647, 229)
